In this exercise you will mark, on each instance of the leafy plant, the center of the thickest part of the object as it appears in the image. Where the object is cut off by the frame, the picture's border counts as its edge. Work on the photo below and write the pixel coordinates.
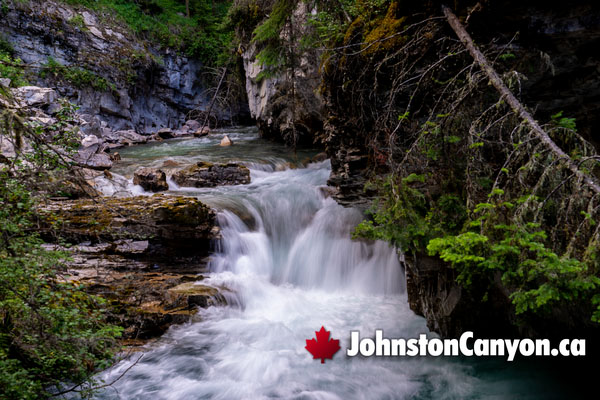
(10, 67)
(564, 122)
(167, 23)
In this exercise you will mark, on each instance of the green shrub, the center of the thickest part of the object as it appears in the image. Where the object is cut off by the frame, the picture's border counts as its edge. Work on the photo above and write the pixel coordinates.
(52, 333)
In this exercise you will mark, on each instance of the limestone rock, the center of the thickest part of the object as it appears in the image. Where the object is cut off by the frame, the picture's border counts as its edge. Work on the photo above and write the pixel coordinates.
(191, 125)
(192, 294)
(88, 158)
(35, 95)
(151, 179)
(90, 140)
(226, 141)
(131, 137)
(205, 174)
(172, 225)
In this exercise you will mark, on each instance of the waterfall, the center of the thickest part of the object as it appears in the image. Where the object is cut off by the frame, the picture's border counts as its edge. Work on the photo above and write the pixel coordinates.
(287, 265)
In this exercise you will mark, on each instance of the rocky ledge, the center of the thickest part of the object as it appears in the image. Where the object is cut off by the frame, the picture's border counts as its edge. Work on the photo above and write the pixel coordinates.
(169, 224)
(143, 254)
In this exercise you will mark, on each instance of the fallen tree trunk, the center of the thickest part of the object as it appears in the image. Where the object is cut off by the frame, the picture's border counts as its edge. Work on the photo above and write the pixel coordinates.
(516, 105)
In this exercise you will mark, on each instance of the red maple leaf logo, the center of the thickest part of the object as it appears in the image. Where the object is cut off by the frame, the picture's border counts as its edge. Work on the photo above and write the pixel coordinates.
(322, 347)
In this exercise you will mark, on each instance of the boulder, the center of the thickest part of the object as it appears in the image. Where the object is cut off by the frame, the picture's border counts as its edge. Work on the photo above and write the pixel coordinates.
(131, 137)
(151, 179)
(202, 132)
(88, 158)
(226, 141)
(90, 140)
(191, 125)
(205, 174)
(35, 96)
(165, 133)
(5, 82)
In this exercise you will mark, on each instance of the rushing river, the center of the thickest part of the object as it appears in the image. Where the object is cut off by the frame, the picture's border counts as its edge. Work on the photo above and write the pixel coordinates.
(287, 257)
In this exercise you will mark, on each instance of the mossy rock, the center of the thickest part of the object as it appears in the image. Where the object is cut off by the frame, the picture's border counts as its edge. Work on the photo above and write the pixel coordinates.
(169, 222)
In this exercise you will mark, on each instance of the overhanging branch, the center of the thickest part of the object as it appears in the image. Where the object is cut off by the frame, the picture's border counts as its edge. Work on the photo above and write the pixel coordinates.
(515, 104)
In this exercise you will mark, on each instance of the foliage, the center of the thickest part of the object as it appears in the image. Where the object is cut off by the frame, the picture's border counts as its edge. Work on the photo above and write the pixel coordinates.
(78, 22)
(564, 122)
(165, 22)
(274, 54)
(10, 66)
(80, 77)
(536, 276)
(404, 216)
(51, 331)
(6, 47)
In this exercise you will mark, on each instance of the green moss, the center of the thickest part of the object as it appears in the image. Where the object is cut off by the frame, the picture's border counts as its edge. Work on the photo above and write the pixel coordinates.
(383, 35)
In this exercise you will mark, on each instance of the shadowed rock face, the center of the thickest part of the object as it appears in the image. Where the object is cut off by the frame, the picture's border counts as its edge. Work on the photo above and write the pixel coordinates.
(205, 174)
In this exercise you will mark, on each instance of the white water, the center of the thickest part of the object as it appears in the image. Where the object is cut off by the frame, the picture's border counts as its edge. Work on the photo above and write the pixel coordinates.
(294, 269)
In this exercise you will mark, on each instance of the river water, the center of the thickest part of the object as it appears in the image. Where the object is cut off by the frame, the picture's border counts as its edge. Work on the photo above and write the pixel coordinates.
(290, 266)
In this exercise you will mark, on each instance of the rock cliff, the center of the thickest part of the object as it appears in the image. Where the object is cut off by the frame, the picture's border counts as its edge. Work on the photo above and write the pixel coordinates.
(285, 104)
(119, 81)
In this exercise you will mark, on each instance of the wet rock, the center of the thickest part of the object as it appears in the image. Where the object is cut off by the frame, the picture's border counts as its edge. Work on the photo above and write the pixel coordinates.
(318, 158)
(143, 300)
(165, 133)
(115, 156)
(193, 294)
(449, 308)
(205, 174)
(226, 141)
(202, 132)
(151, 179)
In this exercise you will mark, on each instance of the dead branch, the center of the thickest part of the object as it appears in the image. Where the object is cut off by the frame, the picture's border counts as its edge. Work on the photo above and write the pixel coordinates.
(515, 104)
